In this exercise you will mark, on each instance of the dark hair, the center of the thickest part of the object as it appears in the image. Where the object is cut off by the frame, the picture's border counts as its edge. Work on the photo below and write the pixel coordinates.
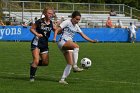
(75, 13)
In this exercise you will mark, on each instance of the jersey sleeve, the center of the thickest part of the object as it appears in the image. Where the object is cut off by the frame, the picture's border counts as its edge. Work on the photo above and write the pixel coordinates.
(78, 28)
(64, 24)
(37, 22)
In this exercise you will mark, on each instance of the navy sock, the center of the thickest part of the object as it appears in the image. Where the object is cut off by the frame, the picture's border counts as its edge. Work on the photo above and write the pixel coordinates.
(32, 71)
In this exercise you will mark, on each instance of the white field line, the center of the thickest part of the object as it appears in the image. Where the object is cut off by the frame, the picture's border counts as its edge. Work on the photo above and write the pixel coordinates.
(89, 79)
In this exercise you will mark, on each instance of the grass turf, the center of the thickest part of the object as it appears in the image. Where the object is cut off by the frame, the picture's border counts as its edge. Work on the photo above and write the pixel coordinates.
(115, 69)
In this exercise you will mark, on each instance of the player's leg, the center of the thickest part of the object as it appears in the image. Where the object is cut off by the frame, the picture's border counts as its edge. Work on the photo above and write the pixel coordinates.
(131, 37)
(68, 57)
(134, 37)
(69, 45)
(44, 56)
(129, 33)
(44, 59)
(33, 67)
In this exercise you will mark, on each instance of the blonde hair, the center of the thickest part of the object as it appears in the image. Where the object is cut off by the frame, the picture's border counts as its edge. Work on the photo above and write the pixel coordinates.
(45, 10)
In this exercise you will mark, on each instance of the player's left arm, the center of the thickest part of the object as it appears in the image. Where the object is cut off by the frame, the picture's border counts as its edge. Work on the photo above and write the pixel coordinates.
(87, 38)
(54, 26)
(59, 29)
(136, 29)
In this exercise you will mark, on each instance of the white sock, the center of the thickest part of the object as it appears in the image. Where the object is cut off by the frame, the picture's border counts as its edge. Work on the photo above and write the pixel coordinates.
(66, 71)
(75, 57)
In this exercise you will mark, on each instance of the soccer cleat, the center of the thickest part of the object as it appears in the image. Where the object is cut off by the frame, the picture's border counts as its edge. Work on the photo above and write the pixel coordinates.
(77, 69)
(32, 80)
(63, 82)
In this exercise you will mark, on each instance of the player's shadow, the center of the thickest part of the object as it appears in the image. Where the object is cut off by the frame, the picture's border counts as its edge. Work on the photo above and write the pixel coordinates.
(46, 78)
(26, 78)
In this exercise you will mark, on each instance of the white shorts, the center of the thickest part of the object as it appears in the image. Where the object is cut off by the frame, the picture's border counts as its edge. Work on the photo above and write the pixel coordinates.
(61, 43)
(133, 35)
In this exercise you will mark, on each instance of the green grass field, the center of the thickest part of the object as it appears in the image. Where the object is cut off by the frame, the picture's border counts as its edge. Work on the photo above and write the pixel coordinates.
(115, 69)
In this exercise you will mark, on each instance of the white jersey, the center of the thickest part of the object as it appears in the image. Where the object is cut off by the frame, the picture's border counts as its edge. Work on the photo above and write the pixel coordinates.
(132, 28)
(69, 30)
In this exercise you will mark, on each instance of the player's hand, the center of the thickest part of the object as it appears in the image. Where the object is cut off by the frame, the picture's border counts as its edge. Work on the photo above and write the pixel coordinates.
(39, 35)
(94, 41)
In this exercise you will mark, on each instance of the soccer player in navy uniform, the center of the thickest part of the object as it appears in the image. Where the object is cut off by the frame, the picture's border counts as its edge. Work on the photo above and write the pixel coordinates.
(39, 46)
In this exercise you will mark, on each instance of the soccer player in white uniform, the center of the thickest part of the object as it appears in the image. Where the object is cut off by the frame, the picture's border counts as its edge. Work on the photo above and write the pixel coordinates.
(70, 50)
(132, 32)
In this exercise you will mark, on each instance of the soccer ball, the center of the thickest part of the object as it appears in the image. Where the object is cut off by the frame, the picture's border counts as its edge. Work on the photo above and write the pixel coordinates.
(86, 63)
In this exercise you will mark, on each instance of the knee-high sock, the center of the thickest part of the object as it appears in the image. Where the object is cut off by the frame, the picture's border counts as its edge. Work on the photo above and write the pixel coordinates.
(66, 71)
(75, 56)
(32, 71)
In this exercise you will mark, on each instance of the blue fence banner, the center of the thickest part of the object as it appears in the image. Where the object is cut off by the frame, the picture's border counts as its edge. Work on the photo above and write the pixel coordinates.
(102, 34)
(15, 33)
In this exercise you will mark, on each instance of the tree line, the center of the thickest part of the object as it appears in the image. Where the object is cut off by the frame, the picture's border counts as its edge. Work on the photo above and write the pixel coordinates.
(132, 3)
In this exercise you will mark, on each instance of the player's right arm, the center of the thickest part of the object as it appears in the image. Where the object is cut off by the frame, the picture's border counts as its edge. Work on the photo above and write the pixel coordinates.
(33, 30)
(56, 32)
(60, 28)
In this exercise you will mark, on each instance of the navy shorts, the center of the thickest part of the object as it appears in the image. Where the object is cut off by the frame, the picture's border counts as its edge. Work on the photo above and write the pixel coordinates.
(41, 44)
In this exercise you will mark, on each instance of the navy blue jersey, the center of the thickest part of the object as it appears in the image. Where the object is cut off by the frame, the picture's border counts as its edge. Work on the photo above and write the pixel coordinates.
(44, 29)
